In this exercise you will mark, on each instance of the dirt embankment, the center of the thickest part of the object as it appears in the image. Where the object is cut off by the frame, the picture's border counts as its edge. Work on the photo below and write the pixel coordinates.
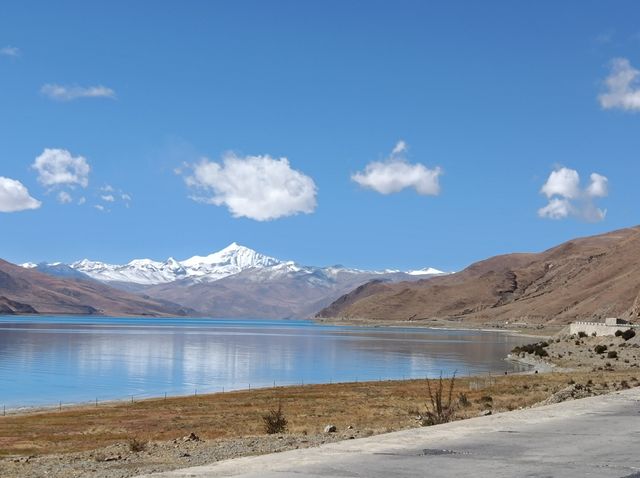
(583, 352)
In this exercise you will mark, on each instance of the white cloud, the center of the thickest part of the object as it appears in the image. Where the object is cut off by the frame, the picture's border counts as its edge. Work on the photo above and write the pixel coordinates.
(111, 194)
(568, 199)
(622, 87)
(401, 147)
(57, 167)
(562, 182)
(395, 174)
(10, 51)
(82, 200)
(14, 196)
(556, 209)
(257, 187)
(99, 207)
(64, 197)
(69, 93)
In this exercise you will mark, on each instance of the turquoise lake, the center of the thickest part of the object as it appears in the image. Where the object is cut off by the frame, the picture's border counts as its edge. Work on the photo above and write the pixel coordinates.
(47, 360)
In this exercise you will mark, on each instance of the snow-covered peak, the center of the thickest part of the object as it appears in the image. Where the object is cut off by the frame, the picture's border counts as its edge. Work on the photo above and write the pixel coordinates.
(232, 255)
(231, 260)
(29, 265)
(427, 271)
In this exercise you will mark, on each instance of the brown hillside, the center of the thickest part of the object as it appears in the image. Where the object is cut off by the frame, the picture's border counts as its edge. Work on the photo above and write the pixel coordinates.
(588, 278)
(26, 291)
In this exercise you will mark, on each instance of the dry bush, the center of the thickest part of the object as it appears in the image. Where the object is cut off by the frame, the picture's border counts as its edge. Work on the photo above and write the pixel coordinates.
(275, 421)
(136, 445)
(441, 408)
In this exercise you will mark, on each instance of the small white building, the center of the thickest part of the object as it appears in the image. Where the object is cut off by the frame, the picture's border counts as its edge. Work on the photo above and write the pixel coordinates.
(609, 327)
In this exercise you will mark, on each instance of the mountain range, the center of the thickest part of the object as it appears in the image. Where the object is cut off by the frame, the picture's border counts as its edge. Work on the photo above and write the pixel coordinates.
(234, 282)
(584, 279)
(28, 291)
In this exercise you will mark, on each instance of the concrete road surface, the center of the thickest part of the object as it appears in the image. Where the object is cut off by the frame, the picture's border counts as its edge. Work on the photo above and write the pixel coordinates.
(598, 436)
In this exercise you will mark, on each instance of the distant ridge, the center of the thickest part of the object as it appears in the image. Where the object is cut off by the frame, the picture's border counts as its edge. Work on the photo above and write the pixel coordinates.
(233, 282)
(231, 260)
(28, 291)
(588, 278)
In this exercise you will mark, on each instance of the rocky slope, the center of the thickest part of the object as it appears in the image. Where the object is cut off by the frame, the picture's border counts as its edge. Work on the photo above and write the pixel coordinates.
(28, 291)
(589, 278)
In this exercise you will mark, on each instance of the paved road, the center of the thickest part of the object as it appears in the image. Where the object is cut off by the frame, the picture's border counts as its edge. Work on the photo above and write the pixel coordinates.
(598, 437)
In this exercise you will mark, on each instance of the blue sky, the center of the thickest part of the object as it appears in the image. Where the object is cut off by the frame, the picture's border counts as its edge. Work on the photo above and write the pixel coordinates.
(183, 110)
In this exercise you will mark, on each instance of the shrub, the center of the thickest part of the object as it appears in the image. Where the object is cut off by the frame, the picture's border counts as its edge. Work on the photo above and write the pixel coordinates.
(582, 334)
(463, 400)
(275, 421)
(612, 354)
(618, 333)
(136, 445)
(440, 408)
(600, 349)
(535, 349)
(628, 334)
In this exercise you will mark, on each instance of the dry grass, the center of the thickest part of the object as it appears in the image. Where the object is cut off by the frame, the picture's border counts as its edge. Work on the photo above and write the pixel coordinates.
(373, 407)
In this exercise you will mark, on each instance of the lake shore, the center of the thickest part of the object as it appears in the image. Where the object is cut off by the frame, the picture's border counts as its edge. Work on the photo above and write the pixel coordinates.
(187, 431)
(518, 329)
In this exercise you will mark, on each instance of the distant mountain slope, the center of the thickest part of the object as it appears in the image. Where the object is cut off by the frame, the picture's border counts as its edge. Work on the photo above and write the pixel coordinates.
(25, 290)
(269, 293)
(588, 278)
(234, 282)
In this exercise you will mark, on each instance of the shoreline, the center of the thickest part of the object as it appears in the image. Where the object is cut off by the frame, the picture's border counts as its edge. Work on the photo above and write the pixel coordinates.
(91, 405)
(520, 330)
(524, 330)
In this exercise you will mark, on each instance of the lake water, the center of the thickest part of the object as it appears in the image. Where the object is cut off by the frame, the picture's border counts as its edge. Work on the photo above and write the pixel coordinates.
(47, 360)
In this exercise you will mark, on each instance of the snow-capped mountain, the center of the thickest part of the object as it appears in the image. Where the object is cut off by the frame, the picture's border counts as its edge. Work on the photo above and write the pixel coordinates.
(231, 260)
(234, 282)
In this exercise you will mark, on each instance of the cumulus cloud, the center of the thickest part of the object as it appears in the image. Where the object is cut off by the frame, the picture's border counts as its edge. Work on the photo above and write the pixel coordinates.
(69, 93)
(257, 187)
(10, 51)
(57, 167)
(108, 197)
(395, 174)
(14, 196)
(622, 87)
(568, 199)
(64, 197)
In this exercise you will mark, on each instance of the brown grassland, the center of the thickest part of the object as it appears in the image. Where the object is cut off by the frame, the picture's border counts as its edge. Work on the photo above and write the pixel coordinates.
(369, 407)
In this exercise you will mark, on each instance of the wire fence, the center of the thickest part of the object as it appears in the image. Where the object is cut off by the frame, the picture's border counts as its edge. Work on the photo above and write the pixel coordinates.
(475, 382)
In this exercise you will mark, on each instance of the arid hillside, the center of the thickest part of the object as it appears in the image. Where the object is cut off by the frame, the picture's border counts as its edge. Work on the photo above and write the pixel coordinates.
(588, 278)
(25, 291)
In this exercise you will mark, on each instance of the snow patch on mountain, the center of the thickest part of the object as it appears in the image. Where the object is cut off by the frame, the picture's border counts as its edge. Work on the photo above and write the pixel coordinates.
(233, 259)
